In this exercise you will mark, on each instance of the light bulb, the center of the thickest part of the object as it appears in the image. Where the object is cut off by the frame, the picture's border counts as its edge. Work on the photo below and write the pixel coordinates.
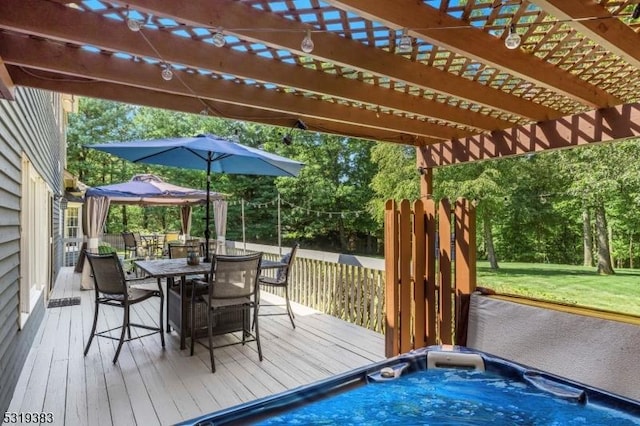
(307, 44)
(404, 45)
(134, 25)
(167, 74)
(218, 38)
(513, 39)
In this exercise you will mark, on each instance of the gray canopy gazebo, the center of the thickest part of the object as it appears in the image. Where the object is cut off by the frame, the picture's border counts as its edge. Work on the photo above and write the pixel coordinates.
(145, 190)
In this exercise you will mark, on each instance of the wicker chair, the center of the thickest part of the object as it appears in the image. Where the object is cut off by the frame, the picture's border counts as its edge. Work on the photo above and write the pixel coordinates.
(233, 287)
(111, 288)
(281, 280)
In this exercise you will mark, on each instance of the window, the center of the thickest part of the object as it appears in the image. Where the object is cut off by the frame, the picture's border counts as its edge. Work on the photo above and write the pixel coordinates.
(35, 238)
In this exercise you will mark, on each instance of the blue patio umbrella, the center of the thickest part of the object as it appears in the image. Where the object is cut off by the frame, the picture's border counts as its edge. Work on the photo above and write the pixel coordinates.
(204, 152)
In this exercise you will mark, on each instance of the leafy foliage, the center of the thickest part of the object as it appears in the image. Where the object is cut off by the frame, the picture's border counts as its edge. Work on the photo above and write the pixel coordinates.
(530, 207)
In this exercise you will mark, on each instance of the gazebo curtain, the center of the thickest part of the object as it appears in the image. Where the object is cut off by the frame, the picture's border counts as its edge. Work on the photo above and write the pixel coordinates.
(185, 220)
(220, 220)
(94, 219)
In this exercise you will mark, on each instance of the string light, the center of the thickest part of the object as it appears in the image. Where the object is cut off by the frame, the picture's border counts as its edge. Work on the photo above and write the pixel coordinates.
(404, 45)
(307, 44)
(218, 38)
(167, 74)
(296, 208)
(513, 39)
(133, 24)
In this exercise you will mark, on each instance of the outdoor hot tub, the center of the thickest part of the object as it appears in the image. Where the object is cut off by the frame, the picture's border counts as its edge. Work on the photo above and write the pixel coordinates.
(437, 386)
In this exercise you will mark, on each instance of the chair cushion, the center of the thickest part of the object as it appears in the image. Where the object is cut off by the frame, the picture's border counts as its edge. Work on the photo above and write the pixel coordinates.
(281, 274)
(135, 295)
(271, 281)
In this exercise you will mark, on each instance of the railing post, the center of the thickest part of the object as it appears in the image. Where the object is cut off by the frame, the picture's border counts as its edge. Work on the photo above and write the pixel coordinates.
(431, 287)
(444, 266)
(465, 265)
(419, 274)
(391, 254)
(406, 290)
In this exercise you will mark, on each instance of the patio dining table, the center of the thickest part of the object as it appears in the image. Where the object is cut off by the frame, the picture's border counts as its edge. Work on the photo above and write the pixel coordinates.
(171, 268)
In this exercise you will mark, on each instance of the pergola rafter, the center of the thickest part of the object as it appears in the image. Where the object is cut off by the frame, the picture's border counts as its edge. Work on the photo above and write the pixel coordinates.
(429, 24)
(133, 95)
(456, 88)
(7, 87)
(335, 49)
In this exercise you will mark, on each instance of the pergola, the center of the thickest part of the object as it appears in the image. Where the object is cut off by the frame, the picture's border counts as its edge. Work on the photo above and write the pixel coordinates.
(451, 87)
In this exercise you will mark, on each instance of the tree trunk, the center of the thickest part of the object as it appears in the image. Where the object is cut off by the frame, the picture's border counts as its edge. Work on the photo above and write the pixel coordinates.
(488, 240)
(604, 253)
(344, 244)
(125, 219)
(587, 238)
(631, 251)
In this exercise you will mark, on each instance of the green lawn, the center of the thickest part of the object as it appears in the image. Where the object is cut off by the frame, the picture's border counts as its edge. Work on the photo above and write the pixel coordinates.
(576, 285)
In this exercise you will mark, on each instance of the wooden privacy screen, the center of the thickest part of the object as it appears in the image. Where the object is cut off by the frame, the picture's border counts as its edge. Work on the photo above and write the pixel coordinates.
(430, 271)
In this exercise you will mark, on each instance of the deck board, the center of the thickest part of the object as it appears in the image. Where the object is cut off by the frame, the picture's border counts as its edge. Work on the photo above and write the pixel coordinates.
(150, 385)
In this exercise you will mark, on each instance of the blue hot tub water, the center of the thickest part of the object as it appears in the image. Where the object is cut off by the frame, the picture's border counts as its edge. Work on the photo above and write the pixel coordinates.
(417, 393)
(450, 397)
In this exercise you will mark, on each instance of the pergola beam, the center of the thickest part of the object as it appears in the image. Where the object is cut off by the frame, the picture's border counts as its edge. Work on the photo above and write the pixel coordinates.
(69, 25)
(594, 21)
(430, 24)
(138, 96)
(338, 50)
(608, 124)
(24, 51)
(7, 87)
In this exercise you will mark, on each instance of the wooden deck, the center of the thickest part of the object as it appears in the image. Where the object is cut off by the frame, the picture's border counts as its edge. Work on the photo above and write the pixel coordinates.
(150, 386)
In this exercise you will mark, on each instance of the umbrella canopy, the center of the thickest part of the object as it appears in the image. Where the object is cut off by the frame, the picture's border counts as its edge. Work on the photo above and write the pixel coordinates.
(204, 152)
(148, 189)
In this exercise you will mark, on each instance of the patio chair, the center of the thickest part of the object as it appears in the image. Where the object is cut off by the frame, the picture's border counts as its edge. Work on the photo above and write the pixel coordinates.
(233, 288)
(171, 237)
(281, 280)
(130, 245)
(132, 251)
(181, 251)
(113, 289)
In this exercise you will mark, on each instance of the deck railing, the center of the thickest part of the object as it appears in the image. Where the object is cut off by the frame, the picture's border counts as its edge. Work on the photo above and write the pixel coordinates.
(345, 286)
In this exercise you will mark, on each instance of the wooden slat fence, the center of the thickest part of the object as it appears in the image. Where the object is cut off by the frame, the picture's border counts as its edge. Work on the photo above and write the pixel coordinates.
(349, 292)
(429, 275)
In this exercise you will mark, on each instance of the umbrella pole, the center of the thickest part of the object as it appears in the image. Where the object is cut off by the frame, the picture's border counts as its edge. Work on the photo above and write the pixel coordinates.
(279, 228)
(244, 238)
(207, 233)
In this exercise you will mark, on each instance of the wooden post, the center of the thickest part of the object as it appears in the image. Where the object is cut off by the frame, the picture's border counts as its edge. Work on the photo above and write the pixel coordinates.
(406, 291)
(444, 263)
(465, 265)
(430, 261)
(391, 254)
(419, 274)
(426, 175)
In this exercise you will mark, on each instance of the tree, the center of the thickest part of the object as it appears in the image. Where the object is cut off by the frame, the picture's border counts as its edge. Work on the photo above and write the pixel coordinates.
(479, 182)
(594, 180)
(396, 177)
